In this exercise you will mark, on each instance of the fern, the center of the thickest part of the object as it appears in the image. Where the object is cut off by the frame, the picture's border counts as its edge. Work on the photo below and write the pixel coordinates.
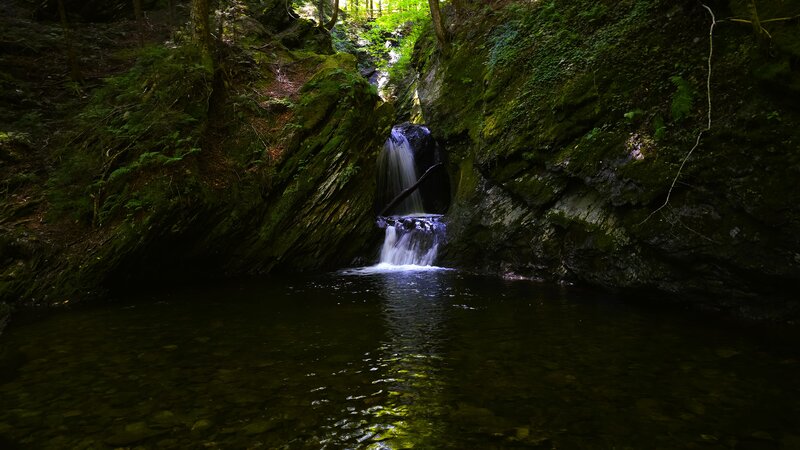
(660, 129)
(682, 100)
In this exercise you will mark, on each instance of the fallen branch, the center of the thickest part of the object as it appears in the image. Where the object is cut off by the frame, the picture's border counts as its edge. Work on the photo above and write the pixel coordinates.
(708, 126)
(406, 192)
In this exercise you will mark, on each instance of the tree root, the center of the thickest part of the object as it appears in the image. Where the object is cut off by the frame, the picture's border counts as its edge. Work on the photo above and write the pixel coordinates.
(708, 126)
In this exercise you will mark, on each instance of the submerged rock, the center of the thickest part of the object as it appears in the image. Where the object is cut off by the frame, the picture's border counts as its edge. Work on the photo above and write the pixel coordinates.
(201, 425)
(131, 434)
(258, 427)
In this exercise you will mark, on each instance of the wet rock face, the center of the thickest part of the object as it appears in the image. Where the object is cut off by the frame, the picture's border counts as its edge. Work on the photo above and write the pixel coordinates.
(304, 34)
(435, 190)
(562, 153)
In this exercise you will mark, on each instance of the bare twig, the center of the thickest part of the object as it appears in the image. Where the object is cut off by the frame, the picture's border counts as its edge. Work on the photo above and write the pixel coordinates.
(676, 220)
(401, 196)
(781, 19)
(763, 30)
(258, 135)
(708, 126)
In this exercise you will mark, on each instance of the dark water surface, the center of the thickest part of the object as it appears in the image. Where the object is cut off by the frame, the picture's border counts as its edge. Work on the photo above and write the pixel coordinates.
(427, 360)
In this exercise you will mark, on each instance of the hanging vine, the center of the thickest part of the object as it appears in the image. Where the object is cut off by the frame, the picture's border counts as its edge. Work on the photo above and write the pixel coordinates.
(708, 124)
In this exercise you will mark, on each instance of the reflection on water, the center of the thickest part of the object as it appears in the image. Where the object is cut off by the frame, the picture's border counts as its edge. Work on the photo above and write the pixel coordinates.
(411, 357)
(422, 359)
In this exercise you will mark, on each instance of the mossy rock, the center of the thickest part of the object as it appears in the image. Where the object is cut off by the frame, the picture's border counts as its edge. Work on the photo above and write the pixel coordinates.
(566, 111)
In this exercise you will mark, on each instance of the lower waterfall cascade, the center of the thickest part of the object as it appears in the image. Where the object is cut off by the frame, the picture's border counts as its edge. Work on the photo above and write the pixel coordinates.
(411, 240)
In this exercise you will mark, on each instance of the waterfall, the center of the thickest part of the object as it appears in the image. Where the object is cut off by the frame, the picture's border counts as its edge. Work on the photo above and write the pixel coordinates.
(412, 236)
(396, 172)
(411, 240)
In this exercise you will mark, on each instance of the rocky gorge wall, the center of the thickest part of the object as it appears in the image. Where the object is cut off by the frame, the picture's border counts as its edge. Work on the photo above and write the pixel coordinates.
(263, 163)
(566, 123)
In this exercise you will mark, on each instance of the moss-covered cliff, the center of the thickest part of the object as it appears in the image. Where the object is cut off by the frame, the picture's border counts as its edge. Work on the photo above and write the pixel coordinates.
(180, 167)
(567, 122)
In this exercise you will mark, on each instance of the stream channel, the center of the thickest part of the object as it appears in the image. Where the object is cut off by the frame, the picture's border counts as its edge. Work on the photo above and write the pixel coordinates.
(385, 359)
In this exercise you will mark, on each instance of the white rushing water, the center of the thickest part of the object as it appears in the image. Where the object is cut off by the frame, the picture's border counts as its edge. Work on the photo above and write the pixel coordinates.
(412, 238)
(397, 172)
(403, 249)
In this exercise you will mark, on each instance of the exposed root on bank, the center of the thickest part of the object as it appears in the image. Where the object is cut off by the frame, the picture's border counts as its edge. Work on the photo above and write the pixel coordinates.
(708, 125)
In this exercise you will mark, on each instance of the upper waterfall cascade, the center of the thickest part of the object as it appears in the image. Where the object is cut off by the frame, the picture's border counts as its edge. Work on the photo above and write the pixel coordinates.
(397, 172)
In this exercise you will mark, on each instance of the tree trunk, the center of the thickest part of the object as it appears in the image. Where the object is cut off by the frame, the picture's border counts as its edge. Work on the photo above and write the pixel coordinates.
(380, 8)
(371, 10)
(335, 16)
(321, 13)
(221, 26)
(438, 23)
(137, 11)
(74, 70)
(757, 29)
(201, 33)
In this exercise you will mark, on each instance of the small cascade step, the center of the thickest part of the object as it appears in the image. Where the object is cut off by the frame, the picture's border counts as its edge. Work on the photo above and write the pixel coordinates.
(411, 240)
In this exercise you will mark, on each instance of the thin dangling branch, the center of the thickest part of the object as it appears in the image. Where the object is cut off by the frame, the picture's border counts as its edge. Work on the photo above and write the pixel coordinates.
(708, 125)
(409, 190)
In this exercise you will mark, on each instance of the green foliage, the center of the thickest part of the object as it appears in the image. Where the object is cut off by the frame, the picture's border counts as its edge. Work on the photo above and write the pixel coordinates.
(398, 32)
(505, 44)
(138, 124)
(406, 48)
(29, 120)
(545, 24)
(632, 116)
(682, 99)
(596, 12)
(546, 41)
(774, 116)
(659, 128)
(349, 172)
(592, 134)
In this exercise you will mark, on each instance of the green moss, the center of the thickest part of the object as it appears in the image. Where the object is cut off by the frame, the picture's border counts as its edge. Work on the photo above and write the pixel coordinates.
(140, 123)
(467, 179)
(537, 190)
(334, 81)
